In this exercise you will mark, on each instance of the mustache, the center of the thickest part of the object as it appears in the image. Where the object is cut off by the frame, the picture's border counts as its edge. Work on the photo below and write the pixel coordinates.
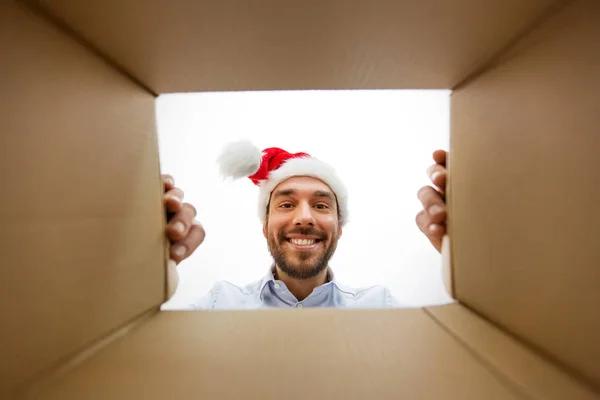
(302, 231)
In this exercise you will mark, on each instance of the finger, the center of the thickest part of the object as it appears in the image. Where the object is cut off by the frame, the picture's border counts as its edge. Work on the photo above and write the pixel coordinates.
(172, 278)
(185, 247)
(433, 232)
(436, 231)
(423, 221)
(437, 174)
(433, 203)
(440, 157)
(428, 227)
(180, 223)
(168, 182)
(173, 200)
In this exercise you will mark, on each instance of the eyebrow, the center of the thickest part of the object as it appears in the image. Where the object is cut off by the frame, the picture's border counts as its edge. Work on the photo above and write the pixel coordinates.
(322, 193)
(317, 193)
(282, 193)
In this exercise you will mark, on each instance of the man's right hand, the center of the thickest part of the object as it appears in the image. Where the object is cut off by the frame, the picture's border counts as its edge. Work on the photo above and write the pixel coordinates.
(432, 219)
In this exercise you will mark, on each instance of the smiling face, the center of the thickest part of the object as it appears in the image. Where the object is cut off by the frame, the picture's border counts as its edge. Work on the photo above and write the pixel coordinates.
(302, 226)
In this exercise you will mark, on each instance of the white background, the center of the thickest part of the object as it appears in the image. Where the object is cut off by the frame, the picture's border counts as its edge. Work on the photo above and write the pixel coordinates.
(380, 142)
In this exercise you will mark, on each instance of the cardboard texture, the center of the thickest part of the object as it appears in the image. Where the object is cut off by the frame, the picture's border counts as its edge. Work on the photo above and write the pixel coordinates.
(319, 354)
(83, 225)
(208, 45)
(82, 249)
(511, 360)
(525, 248)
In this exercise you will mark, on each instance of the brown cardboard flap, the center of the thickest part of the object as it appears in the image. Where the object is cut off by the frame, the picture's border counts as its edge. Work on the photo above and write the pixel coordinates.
(525, 218)
(207, 45)
(81, 213)
(512, 360)
(292, 354)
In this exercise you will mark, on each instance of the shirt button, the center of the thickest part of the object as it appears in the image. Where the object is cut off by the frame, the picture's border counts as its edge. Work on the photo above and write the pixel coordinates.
(277, 286)
(299, 305)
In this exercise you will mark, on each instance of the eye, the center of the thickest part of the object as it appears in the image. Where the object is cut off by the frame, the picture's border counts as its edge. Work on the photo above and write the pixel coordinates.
(322, 206)
(285, 205)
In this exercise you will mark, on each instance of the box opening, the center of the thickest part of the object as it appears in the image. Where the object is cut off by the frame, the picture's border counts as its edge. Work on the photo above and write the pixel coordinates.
(383, 137)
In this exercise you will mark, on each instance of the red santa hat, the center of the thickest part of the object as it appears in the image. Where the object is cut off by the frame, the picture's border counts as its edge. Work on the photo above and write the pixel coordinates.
(268, 168)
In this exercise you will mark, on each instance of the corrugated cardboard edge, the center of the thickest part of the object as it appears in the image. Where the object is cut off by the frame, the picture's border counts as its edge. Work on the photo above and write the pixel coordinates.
(524, 371)
(68, 363)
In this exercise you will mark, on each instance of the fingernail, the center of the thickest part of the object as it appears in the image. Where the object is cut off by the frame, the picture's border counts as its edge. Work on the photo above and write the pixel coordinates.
(435, 175)
(177, 199)
(432, 228)
(180, 251)
(179, 227)
(435, 209)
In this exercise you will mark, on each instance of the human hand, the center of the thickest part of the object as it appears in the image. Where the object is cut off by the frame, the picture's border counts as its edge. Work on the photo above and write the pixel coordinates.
(185, 234)
(432, 219)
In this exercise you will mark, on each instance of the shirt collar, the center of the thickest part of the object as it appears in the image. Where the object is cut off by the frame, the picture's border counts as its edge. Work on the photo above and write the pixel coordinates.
(270, 277)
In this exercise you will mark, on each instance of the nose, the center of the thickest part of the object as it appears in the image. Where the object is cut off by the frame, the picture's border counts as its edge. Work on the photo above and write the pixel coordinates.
(304, 215)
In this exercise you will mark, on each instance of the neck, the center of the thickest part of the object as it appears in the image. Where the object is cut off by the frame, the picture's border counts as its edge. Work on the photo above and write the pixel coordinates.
(301, 288)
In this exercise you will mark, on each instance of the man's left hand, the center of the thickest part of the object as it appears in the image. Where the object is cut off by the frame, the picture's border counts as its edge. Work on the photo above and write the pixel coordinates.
(431, 220)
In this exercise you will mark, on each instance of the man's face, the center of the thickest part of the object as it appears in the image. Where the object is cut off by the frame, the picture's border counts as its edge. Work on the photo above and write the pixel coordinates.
(302, 226)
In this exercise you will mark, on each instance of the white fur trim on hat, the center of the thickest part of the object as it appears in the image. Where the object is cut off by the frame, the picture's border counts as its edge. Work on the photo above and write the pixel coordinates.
(304, 166)
(239, 159)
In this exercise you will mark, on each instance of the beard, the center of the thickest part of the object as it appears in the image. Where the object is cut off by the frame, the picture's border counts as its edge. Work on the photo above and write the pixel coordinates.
(301, 264)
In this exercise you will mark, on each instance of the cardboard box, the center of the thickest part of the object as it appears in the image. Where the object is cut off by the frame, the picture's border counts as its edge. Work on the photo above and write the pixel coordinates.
(82, 220)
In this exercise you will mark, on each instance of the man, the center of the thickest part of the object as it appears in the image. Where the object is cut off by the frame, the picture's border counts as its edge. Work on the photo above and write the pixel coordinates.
(303, 209)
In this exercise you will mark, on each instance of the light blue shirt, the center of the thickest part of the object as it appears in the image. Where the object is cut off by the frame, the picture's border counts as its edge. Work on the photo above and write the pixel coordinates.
(271, 293)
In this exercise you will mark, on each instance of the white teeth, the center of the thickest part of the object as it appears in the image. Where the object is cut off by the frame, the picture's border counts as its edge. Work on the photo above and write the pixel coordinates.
(303, 242)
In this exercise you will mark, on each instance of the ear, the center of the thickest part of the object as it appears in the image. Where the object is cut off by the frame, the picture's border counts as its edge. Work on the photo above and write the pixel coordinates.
(265, 227)
(339, 230)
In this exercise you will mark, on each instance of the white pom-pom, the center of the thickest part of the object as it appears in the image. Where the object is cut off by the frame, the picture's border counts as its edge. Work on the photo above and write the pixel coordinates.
(239, 160)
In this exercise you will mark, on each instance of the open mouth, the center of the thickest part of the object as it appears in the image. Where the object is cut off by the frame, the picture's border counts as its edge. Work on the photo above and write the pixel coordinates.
(304, 244)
